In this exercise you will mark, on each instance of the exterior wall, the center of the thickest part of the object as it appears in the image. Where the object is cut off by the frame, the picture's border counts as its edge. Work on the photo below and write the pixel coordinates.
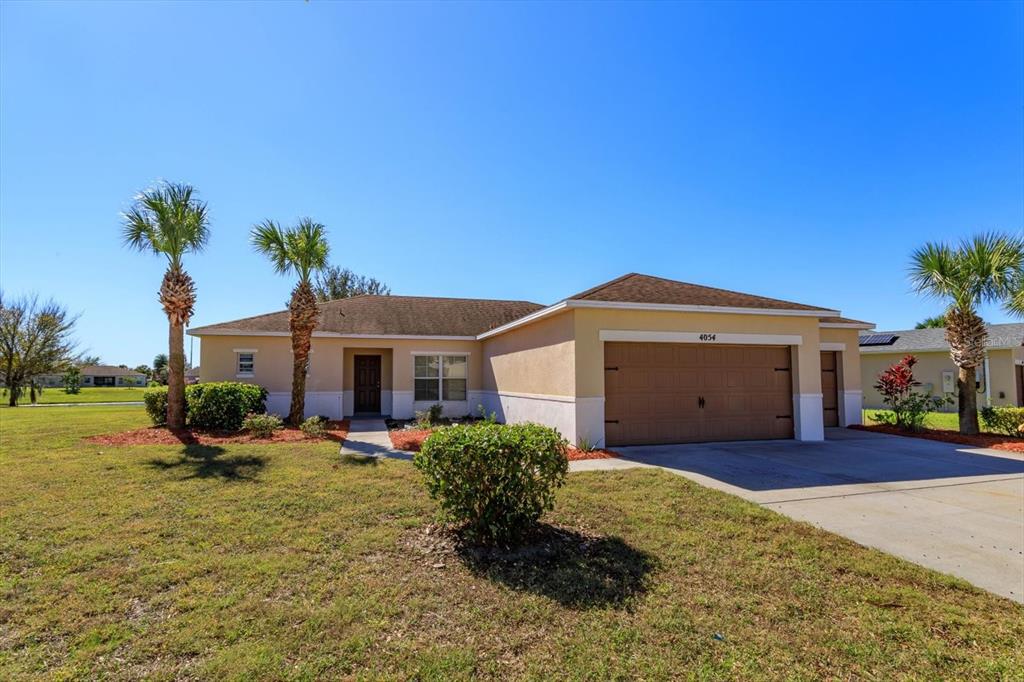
(851, 387)
(329, 384)
(529, 374)
(590, 322)
(929, 368)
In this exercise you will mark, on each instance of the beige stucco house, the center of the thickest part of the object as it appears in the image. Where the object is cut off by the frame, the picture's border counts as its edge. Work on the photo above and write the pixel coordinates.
(1000, 380)
(636, 360)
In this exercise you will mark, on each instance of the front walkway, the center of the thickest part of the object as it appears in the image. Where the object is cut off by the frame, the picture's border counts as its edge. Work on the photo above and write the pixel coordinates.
(369, 438)
(953, 508)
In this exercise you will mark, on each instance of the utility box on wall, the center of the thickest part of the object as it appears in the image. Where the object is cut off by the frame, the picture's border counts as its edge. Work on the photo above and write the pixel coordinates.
(948, 382)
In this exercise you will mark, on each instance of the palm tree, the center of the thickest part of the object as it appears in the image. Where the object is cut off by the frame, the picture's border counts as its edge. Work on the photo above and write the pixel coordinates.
(169, 220)
(986, 269)
(302, 249)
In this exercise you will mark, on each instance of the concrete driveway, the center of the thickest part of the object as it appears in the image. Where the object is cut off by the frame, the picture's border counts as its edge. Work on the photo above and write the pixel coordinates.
(952, 508)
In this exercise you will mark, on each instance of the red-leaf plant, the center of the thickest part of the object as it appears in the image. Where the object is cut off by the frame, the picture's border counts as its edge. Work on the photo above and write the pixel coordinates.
(897, 384)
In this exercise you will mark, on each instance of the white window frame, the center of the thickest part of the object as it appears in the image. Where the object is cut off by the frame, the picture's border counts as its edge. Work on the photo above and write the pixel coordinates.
(440, 356)
(239, 373)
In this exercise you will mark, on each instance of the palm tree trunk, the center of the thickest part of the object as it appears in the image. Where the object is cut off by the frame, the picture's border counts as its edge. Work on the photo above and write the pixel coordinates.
(176, 376)
(968, 410)
(302, 322)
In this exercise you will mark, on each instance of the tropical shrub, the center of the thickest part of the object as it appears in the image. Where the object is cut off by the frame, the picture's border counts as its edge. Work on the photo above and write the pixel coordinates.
(73, 380)
(223, 404)
(1005, 420)
(909, 408)
(314, 427)
(262, 425)
(494, 479)
(155, 399)
(429, 417)
(219, 405)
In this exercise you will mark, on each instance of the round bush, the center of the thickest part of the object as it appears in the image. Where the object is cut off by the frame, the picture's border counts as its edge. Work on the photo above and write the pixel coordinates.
(496, 479)
(262, 425)
(156, 404)
(223, 404)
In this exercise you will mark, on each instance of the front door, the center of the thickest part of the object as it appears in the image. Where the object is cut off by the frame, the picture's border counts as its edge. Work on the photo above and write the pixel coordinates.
(830, 387)
(367, 383)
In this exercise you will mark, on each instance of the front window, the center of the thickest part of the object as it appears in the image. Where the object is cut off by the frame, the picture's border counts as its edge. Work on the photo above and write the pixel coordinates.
(246, 363)
(440, 377)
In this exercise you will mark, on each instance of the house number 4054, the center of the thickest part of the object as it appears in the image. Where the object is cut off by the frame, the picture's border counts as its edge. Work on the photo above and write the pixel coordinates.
(706, 337)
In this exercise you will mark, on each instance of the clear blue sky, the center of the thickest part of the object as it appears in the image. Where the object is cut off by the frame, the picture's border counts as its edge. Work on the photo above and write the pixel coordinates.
(509, 150)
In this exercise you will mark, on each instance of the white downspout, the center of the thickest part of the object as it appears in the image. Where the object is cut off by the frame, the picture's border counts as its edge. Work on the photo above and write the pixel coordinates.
(988, 389)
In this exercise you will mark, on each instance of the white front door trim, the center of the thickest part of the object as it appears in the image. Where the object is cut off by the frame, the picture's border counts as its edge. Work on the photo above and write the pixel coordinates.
(841, 347)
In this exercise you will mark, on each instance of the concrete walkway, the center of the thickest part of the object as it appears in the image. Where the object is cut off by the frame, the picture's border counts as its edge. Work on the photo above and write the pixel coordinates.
(369, 438)
(953, 508)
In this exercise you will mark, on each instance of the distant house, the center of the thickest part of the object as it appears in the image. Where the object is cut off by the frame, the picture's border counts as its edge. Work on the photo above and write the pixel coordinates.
(98, 375)
(1000, 379)
(192, 375)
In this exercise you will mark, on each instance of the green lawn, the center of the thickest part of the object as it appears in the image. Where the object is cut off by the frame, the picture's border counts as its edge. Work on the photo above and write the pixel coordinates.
(946, 421)
(280, 561)
(101, 394)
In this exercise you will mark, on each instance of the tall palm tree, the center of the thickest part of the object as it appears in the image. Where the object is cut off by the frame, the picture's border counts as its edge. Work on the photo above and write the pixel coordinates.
(169, 220)
(301, 249)
(986, 269)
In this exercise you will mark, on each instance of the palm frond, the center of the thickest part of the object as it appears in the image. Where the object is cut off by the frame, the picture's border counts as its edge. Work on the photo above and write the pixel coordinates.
(167, 219)
(935, 270)
(269, 239)
(309, 248)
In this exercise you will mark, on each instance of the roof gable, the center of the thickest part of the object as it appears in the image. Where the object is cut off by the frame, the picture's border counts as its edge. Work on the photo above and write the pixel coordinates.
(637, 288)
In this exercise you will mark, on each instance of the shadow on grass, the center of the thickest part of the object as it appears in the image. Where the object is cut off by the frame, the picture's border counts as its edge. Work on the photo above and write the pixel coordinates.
(576, 570)
(359, 460)
(208, 461)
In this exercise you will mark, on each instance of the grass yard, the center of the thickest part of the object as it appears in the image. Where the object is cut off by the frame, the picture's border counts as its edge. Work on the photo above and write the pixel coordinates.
(280, 561)
(88, 394)
(943, 421)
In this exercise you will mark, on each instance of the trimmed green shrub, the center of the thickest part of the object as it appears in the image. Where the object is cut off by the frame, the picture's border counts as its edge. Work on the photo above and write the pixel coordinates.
(262, 425)
(223, 404)
(156, 404)
(314, 427)
(73, 380)
(1006, 420)
(495, 479)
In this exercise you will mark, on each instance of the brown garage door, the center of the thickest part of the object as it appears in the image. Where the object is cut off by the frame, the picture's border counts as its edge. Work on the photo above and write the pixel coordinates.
(680, 393)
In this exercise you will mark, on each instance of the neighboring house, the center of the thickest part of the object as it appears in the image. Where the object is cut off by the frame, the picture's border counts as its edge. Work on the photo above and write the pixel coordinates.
(192, 375)
(636, 360)
(1000, 381)
(98, 375)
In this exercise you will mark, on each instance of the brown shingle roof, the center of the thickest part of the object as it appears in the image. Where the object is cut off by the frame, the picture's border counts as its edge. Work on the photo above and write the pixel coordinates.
(393, 315)
(636, 288)
(843, 320)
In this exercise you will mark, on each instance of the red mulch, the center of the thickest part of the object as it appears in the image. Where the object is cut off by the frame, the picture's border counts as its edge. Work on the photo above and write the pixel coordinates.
(159, 435)
(575, 455)
(984, 440)
(411, 440)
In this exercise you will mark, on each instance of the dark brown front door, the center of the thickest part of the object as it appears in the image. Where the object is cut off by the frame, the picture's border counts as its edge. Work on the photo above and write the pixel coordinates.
(829, 388)
(679, 393)
(1020, 385)
(367, 383)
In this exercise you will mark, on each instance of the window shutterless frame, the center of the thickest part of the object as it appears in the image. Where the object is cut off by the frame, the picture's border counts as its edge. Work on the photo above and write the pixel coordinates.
(440, 377)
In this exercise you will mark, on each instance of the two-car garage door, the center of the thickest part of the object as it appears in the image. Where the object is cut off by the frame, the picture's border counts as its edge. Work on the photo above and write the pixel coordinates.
(679, 393)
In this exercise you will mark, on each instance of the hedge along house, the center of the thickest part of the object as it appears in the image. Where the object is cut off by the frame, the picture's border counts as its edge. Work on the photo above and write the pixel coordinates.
(638, 360)
(1000, 379)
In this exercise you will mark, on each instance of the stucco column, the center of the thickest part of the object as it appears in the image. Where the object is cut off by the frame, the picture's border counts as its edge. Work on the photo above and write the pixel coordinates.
(808, 412)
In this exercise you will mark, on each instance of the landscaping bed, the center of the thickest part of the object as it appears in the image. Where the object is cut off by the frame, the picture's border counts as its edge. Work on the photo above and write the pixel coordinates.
(158, 435)
(984, 440)
(411, 439)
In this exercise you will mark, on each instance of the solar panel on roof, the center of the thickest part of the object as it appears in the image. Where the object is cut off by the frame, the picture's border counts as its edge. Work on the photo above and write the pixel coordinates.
(878, 340)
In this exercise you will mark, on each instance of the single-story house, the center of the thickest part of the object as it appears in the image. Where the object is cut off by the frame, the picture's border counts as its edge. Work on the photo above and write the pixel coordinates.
(1000, 380)
(98, 375)
(636, 360)
(192, 375)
